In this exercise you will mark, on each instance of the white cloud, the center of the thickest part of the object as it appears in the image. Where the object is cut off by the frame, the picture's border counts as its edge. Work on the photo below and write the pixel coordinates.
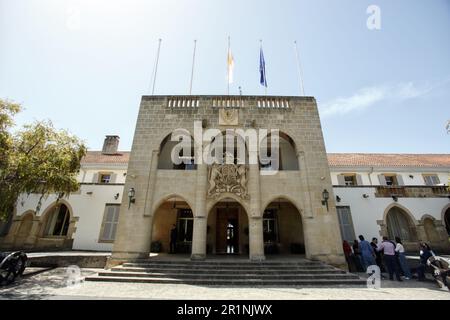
(369, 96)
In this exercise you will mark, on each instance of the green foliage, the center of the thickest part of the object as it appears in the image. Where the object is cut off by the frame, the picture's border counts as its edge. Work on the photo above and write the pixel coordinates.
(36, 159)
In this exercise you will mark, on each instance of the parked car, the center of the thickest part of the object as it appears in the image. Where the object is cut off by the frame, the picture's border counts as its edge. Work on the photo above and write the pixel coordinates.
(12, 265)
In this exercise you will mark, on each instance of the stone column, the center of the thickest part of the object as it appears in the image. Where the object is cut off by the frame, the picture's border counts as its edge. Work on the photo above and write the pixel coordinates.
(151, 184)
(134, 231)
(200, 215)
(305, 195)
(256, 238)
(30, 241)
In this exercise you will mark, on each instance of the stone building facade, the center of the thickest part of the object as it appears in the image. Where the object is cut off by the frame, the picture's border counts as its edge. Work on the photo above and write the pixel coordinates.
(229, 221)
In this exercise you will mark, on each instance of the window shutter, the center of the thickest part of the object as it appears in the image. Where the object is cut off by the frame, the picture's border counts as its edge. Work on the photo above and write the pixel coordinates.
(382, 179)
(341, 180)
(359, 180)
(113, 178)
(95, 178)
(400, 180)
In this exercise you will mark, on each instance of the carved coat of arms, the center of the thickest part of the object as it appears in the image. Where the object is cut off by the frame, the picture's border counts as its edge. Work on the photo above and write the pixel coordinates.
(228, 177)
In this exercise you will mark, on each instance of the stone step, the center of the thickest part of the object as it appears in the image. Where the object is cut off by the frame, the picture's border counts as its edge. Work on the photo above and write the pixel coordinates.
(226, 266)
(227, 271)
(234, 282)
(222, 263)
(239, 276)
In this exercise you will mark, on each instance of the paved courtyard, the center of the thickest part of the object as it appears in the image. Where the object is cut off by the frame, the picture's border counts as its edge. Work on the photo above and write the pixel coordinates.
(56, 284)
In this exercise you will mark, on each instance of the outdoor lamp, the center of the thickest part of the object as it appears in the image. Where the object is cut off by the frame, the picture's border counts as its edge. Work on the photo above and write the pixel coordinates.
(338, 199)
(325, 197)
(131, 199)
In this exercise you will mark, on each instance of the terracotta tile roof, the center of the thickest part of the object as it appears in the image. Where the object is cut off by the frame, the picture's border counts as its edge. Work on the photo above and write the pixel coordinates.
(96, 157)
(334, 159)
(388, 160)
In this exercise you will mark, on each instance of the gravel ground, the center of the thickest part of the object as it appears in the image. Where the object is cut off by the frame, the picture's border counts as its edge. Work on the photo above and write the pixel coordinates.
(55, 284)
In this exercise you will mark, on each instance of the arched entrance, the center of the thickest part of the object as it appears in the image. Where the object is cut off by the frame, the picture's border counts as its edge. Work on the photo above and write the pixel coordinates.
(430, 230)
(283, 228)
(172, 223)
(24, 230)
(399, 224)
(447, 220)
(227, 230)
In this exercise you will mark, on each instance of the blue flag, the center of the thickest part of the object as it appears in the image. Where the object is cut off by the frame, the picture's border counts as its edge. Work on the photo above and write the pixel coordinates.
(262, 69)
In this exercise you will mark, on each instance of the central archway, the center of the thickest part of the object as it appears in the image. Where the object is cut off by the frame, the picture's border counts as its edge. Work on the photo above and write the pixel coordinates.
(227, 230)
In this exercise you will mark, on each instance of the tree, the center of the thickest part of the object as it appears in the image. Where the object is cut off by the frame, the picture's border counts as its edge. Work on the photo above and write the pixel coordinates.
(36, 159)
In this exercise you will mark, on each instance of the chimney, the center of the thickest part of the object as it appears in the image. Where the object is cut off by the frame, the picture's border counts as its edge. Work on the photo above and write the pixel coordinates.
(111, 145)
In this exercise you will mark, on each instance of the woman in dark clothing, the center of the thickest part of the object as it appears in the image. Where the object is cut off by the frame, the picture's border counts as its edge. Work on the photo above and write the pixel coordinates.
(348, 255)
(425, 253)
(357, 256)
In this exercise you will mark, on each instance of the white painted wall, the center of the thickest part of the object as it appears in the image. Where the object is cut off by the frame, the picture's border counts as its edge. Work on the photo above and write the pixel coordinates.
(366, 212)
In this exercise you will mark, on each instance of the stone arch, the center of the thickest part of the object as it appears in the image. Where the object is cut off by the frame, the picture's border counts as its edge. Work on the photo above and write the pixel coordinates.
(284, 197)
(283, 226)
(429, 225)
(237, 139)
(169, 211)
(166, 197)
(165, 149)
(24, 228)
(400, 222)
(50, 211)
(225, 196)
(446, 218)
(288, 156)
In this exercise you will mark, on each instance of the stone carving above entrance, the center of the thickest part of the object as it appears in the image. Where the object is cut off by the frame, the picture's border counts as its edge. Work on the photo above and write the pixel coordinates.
(228, 177)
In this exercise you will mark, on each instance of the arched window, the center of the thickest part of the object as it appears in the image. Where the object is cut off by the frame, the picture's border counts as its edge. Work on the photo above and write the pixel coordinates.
(287, 158)
(58, 221)
(399, 225)
(165, 155)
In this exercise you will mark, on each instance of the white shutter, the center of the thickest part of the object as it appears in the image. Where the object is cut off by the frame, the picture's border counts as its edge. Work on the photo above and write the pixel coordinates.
(341, 179)
(95, 178)
(400, 180)
(113, 178)
(359, 180)
(382, 179)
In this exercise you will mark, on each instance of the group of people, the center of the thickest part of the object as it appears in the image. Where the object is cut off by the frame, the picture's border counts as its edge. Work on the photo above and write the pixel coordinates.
(387, 255)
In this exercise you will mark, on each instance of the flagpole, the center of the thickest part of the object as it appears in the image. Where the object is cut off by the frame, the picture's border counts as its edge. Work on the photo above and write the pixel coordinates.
(299, 68)
(192, 71)
(156, 66)
(228, 67)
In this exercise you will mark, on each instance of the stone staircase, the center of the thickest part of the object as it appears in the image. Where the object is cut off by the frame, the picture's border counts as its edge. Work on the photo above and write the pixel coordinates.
(230, 273)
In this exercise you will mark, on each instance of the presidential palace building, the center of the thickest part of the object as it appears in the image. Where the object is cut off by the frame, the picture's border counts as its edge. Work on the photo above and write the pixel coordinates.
(308, 203)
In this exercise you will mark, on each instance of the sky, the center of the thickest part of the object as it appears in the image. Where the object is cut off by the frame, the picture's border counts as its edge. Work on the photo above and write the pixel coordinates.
(85, 64)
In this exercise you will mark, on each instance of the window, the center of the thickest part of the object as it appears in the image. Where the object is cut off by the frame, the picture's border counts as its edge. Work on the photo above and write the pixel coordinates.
(346, 223)
(270, 225)
(110, 221)
(58, 221)
(431, 179)
(185, 225)
(350, 180)
(391, 180)
(105, 178)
